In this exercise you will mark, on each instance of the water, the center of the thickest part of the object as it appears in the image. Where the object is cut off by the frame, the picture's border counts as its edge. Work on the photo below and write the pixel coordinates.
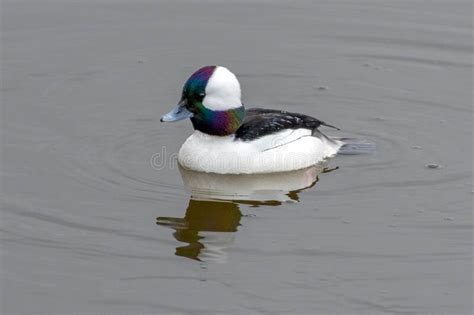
(96, 218)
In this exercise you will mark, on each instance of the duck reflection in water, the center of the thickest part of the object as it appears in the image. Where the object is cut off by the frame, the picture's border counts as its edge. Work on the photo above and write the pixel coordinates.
(213, 214)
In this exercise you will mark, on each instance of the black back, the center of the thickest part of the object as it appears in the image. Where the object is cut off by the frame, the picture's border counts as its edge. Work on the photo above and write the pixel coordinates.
(260, 122)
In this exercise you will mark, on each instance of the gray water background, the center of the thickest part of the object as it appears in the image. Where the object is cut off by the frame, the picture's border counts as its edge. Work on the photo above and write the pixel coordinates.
(84, 84)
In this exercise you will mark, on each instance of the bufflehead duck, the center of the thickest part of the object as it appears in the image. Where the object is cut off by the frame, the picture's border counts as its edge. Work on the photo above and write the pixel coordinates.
(229, 139)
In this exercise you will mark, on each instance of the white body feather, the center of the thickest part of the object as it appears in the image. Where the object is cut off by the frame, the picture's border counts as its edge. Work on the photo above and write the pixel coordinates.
(287, 150)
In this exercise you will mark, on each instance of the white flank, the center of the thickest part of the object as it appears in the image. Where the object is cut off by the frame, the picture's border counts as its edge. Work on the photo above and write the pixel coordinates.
(287, 150)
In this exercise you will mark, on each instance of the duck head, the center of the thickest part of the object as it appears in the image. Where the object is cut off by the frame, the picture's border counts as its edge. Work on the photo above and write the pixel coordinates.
(211, 99)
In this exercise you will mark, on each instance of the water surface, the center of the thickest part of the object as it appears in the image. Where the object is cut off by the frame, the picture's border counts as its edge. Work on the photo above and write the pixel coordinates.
(84, 84)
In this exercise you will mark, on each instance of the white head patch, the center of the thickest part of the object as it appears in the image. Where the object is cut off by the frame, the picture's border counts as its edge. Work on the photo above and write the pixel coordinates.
(222, 90)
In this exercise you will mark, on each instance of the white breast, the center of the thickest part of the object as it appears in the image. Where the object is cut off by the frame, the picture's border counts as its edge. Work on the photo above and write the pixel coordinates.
(286, 150)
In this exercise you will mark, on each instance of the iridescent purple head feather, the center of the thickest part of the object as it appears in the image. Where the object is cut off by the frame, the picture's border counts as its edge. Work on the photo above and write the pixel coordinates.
(197, 82)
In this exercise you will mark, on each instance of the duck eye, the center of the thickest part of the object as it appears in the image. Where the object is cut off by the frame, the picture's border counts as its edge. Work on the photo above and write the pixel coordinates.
(201, 96)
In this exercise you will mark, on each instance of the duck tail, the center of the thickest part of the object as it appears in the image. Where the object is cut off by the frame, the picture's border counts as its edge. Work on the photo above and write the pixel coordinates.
(328, 125)
(318, 134)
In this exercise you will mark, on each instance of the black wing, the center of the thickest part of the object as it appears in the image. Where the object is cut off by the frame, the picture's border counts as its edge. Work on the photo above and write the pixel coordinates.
(260, 122)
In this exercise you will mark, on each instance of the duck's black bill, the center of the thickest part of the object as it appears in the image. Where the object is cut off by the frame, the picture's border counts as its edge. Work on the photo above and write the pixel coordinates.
(180, 112)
